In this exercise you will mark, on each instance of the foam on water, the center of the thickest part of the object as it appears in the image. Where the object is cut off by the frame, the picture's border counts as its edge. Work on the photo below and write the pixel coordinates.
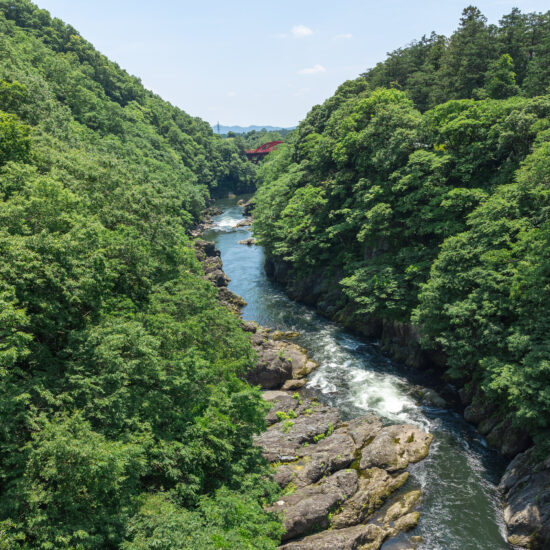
(225, 222)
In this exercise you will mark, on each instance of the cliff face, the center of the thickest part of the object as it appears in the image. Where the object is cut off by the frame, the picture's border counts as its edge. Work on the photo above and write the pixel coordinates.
(525, 487)
(322, 290)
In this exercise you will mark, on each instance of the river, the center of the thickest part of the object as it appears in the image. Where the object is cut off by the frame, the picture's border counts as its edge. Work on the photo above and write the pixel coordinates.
(460, 509)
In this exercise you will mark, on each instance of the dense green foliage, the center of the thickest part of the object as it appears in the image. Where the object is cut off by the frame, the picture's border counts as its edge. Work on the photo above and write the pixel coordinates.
(439, 218)
(255, 138)
(125, 423)
(477, 61)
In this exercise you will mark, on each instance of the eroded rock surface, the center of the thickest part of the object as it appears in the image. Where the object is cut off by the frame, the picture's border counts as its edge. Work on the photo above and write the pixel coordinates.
(525, 487)
(329, 499)
(308, 508)
(280, 362)
(394, 447)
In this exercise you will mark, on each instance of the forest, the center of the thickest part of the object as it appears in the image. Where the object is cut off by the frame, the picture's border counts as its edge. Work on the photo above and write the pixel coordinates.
(421, 192)
(418, 195)
(125, 419)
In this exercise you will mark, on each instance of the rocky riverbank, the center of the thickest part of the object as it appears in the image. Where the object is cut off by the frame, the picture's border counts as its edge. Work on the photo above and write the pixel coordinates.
(525, 486)
(206, 221)
(341, 481)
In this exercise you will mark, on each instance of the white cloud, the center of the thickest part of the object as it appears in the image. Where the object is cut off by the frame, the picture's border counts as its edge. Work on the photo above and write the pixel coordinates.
(316, 69)
(301, 31)
(231, 93)
(344, 36)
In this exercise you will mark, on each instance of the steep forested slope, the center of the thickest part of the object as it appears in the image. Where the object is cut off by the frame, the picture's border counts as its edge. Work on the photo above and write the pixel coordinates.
(389, 216)
(477, 61)
(124, 422)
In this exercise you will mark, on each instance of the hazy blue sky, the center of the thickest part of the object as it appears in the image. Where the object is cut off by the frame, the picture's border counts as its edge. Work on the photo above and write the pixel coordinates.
(258, 62)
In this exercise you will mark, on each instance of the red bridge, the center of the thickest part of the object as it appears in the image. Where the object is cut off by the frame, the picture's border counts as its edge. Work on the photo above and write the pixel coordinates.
(257, 154)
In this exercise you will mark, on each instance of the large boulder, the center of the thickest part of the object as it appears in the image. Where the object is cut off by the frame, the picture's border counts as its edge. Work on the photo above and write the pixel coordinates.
(249, 242)
(394, 447)
(308, 508)
(352, 538)
(288, 436)
(508, 439)
(375, 486)
(272, 370)
(278, 362)
(525, 487)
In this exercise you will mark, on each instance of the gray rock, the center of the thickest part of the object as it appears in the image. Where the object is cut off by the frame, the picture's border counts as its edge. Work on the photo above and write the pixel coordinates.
(276, 358)
(407, 522)
(218, 277)
(284, 438)
(249, 242)
(509, 440)
(250, 326)
(352, 538)
(375, 486)
(312, 452)
(282, 403)
(402, 506)
(331, 453)
(230, 300)
(308, 508)
(211, 264)
(362, 429)
(525, 487)
(323, 458)
(244, 222)
(394, 447)
(274, 395)
(272, 370)
(294, 384)
(205, 249)
(428, 396)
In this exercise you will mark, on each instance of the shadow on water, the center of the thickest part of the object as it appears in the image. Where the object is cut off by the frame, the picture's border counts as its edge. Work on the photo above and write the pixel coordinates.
(460, 509)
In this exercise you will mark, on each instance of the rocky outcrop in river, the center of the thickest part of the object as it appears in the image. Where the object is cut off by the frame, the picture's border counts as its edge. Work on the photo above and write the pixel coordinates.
(206, 221)
(341, 480)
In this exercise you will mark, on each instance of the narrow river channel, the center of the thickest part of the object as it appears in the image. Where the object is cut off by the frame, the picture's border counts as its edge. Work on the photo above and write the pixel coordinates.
(460, 509)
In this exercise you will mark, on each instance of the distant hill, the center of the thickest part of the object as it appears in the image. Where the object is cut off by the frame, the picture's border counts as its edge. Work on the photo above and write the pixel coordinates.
(244, 129)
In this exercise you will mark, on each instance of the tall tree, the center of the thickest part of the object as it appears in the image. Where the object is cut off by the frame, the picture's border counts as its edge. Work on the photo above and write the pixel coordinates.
(467, 57)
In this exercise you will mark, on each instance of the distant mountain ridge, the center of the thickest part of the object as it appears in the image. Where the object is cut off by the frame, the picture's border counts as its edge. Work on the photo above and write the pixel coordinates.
(243, 129)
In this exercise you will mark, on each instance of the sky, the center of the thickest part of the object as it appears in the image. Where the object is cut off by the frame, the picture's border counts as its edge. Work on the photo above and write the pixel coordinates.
(259, 62)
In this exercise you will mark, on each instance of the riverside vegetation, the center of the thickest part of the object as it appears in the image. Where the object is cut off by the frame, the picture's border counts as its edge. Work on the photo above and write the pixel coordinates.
(416, 201)
(125, 419)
